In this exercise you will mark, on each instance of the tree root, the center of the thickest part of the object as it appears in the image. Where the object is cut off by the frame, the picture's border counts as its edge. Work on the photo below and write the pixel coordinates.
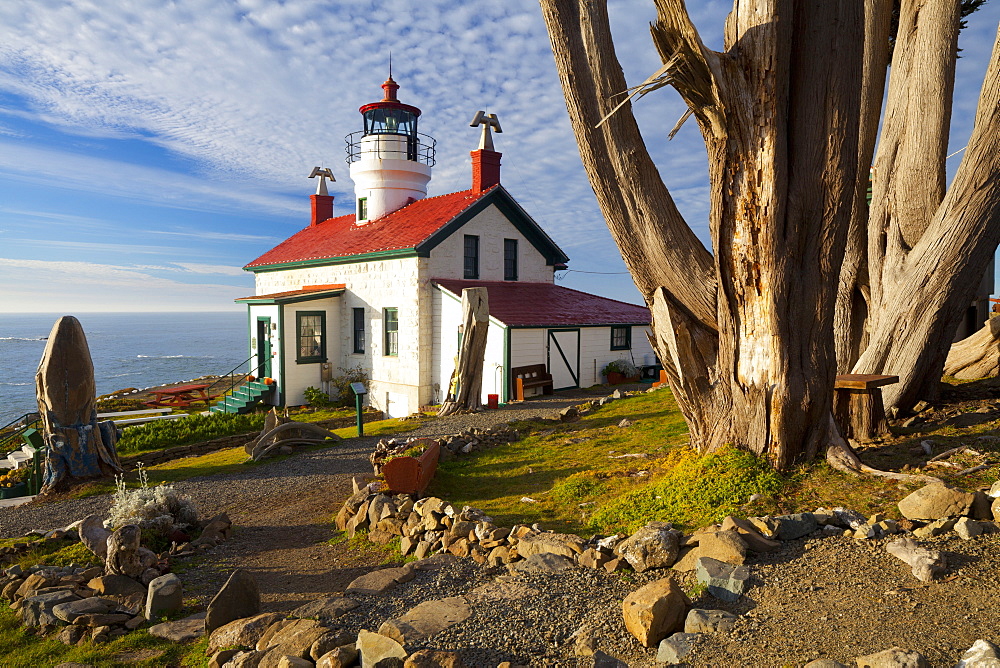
(842, 457)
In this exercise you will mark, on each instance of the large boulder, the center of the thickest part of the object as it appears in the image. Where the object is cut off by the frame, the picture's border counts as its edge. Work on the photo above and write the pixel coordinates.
(380, 581)
(653, 546)
(378, 651)
(427, 619)
(295, 640)
(165, 594)
(244, 632)
(654, 611)
(563, 544)
(238, 598)
(936, 501)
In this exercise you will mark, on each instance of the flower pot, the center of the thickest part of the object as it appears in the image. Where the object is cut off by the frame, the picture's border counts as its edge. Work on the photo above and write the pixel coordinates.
(412, 475)
(615, 378)
(20, 489)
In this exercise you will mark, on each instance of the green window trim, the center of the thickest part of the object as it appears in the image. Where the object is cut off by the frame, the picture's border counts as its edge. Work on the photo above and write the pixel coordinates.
(621, 337)
(310, 337)
(390, 327)
(362, 208)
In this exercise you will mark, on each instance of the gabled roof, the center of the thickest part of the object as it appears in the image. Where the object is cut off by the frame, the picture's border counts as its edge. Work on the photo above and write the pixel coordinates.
(547, 305)
(413, 230)
(305, 293)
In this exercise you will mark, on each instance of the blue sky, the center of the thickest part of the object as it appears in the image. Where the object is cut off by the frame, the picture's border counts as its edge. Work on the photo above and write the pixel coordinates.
(148, 150)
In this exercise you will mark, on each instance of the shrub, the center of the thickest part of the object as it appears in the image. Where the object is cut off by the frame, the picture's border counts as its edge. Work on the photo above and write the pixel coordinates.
(157, 511)
(193, 429)
(695, 491)
(343, 395)
(317, 398)
(622, 366)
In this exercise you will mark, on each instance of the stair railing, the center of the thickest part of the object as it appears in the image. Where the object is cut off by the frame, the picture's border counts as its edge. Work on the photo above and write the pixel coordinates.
(16, 427)
(234, 378)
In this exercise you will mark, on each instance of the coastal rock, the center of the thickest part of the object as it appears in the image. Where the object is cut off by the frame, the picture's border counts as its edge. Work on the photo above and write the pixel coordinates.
(238, 598)
(654, 611)
(653, 546)
(936, 501)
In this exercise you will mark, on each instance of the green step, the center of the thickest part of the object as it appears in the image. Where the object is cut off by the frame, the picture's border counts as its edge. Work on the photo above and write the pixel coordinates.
(242, 398)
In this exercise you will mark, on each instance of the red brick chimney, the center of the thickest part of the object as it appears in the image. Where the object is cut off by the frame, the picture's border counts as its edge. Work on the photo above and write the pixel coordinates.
(485, 169)
(322, 208)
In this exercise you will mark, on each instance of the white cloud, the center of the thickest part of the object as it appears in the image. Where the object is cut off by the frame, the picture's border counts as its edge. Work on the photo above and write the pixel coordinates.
(227, 270)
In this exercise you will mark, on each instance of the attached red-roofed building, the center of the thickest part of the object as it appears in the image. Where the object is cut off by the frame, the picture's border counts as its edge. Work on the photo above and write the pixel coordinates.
(380, 288)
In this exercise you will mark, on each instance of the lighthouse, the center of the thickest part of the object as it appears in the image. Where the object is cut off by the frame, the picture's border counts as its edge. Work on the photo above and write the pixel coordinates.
(390, 161)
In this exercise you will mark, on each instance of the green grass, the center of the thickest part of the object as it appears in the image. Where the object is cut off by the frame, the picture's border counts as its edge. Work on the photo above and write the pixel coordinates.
(135, 649)
(184, 431)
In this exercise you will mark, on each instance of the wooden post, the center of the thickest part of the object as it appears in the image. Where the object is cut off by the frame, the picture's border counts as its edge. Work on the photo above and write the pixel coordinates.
(471, 354)
(858, 407)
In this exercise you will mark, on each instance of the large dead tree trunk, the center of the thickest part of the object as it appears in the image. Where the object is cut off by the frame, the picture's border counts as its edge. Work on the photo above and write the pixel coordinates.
(977, 356)
(779, 117)
(79, 447)
(471, 353)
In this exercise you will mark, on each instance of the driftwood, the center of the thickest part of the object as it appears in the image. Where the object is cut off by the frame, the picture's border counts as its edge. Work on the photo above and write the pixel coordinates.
(471, 354)
(977, 356)
(280, 430)
(79, 446)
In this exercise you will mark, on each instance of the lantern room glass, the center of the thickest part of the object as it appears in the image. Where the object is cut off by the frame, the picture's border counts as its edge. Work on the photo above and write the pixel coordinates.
(383, 121)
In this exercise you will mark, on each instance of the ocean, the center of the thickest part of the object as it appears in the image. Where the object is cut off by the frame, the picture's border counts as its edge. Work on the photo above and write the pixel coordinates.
(129, 350)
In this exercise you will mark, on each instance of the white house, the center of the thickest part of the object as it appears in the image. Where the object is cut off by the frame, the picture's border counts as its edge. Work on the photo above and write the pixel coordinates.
(381, 287)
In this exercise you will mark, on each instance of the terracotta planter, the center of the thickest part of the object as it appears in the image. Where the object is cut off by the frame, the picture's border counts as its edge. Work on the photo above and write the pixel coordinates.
(615, 378)
(412, 475)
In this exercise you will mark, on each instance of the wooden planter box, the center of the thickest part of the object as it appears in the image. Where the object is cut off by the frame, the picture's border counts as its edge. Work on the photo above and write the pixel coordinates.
(20, 489)
(412, 475)
(615, 378)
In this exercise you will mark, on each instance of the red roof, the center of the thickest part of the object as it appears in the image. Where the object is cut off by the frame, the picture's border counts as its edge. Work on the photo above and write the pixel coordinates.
(400, 230)
(548, 305)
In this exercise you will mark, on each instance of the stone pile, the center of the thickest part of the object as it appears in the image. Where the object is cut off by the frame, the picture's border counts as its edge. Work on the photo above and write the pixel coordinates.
(465, 442)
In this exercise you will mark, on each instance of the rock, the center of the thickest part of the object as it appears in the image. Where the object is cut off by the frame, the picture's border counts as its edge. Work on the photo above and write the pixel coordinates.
(925, 564)
(123, 552)
(584, 641)
(434, 563)
(967, 528)
(126, 591)
(94, 536)
(727, 546)
(220, 658)
(936, 501)
(265, 640)
(427, 619)
(980, 509)
(238, 598)
(566, 545)
(107, 619)
(709, 621)
(995, 509)
(725, 581)
(245, 659)
(292, 662)
(982, 654)
(342, 657)
(654, 611)
(330, 641)
(653, 546)
(378, 651)
(749, 535)
(37, 610)
(545, 562)
(33, 583)
(825, 663)
(71, 635)
(325, 609)
(292, 640)
(429, 658)
(182, 630)
(245, 632)
(790, 527)
(674, 649)
(893, 658)
(95, 605)
(165, 594)
(380, 581)
(936, 528)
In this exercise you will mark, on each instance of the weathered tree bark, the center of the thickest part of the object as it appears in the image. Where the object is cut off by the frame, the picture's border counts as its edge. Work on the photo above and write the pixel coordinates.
(472, 352)
(977, 356)
(280, 430)
(79, 447)
(779, 118)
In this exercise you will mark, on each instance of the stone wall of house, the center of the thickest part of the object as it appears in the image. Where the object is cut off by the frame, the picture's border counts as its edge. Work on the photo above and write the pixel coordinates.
(492, 227)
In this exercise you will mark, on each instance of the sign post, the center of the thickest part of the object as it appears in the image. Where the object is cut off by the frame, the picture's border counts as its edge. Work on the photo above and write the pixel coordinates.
(360, 391)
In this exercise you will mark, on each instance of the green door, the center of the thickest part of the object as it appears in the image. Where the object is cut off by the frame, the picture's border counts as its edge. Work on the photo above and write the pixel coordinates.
(263, 347)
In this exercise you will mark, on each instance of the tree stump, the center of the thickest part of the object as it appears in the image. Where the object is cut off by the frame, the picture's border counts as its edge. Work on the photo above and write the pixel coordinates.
(858, 407)
(79, 446)
(471, 353)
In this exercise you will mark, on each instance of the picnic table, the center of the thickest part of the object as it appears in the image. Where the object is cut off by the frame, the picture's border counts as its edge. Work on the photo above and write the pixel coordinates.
(182, 396)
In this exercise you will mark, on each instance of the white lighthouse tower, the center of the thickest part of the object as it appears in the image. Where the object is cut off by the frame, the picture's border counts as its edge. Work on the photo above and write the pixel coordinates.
(390, 161)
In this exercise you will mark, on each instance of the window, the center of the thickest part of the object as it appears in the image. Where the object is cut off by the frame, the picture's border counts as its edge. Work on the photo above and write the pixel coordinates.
(359, 330)
(362, 208)
(510, 259)
(621, 337)
(390, 322)
(310, 332)
(471, 256)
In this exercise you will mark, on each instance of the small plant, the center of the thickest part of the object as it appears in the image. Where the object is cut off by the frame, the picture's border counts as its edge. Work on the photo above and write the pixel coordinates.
(344, 396)
(158, 510)
(622, 366)
(193, 429)
(317, 398)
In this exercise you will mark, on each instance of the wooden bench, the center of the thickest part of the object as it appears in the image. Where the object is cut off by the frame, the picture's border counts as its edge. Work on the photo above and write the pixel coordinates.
(858, 407)
(525, 377)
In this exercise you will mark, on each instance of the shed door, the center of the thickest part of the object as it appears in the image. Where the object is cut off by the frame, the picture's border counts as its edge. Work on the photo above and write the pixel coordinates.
(563, 352)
